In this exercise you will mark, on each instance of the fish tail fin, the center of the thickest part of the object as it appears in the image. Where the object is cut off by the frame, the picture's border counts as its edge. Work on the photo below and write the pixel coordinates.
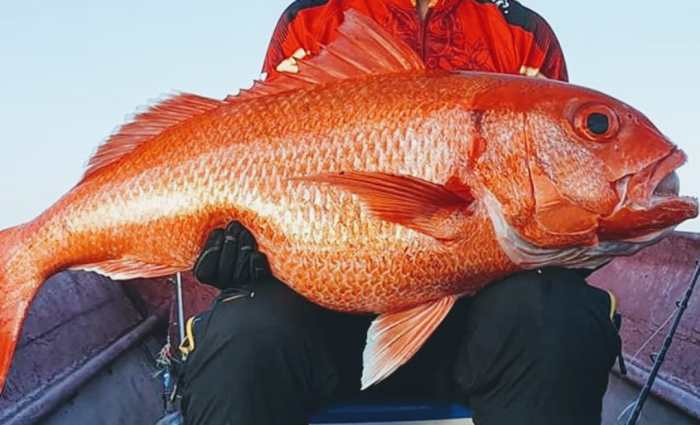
(20, 279)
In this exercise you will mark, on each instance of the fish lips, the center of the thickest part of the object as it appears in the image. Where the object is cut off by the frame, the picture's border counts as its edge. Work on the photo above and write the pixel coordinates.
(649, 202)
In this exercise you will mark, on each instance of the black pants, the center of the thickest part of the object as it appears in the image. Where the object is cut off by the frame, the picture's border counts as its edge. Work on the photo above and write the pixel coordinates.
(535, 348)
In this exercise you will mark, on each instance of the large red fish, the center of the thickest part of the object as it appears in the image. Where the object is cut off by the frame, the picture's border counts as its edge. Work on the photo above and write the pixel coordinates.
(371, 184)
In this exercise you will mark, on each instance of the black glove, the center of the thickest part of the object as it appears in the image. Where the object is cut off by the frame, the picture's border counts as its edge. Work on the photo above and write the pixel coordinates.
(230, 259)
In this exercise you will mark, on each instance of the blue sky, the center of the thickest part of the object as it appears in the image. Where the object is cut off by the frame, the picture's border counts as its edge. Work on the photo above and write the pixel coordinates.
(72, 71)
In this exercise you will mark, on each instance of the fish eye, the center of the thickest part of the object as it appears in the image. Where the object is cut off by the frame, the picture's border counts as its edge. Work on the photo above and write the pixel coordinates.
(597, 123)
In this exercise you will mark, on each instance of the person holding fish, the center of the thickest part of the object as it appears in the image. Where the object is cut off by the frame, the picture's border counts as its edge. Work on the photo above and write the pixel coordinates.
(534, 348)
(450, 210)
(375, 171)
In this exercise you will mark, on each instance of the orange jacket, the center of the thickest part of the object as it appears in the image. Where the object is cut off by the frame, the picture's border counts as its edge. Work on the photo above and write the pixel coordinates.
(478, 35)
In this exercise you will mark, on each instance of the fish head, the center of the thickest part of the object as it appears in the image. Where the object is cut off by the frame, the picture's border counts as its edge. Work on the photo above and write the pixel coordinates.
(598, 170)
(609, 160)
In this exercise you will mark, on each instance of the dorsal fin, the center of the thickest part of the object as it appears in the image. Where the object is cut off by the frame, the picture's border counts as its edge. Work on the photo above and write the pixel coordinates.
(361, 48)
(147, 125)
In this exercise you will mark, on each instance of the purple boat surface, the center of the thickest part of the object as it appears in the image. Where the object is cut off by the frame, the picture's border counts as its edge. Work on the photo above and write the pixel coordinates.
(89, 347)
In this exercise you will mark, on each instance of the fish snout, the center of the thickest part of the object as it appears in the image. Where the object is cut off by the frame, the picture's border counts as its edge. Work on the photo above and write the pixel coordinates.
(649, 202)
(657, 182)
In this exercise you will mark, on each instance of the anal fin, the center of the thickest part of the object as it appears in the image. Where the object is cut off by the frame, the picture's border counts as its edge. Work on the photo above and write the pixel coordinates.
(125, 269)
(393, 338)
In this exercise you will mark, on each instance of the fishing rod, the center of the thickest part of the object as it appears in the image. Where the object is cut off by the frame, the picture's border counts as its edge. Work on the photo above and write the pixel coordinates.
(180, 307)
(681, 307)
(166, 356)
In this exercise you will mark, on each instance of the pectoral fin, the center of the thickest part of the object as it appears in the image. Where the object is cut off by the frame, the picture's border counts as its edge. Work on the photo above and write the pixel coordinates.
(393, 338)
(426, 207)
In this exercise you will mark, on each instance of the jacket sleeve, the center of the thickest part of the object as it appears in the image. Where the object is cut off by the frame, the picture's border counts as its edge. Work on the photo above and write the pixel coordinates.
(545, 57)
(301, 30)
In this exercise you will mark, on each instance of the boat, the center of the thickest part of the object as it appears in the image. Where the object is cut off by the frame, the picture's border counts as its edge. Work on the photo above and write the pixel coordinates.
(90, 348)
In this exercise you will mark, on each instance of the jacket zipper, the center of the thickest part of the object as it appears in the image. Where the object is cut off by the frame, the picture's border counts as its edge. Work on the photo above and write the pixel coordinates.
(424, 31)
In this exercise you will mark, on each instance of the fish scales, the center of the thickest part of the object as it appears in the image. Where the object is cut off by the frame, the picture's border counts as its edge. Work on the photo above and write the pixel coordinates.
(205, 173)
(371, 184)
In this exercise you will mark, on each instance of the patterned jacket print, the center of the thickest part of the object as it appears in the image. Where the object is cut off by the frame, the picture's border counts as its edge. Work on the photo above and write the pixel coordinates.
(471, 35)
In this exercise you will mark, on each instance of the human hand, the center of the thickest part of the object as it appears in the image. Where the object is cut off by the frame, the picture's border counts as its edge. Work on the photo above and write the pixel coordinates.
(230, 258)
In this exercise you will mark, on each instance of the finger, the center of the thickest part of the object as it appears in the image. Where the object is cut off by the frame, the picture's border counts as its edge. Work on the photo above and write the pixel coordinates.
(229, 254)
(234, 228)
(246, 247)
(259, 269)
(215, 239)
(207, 264)
(247, 240)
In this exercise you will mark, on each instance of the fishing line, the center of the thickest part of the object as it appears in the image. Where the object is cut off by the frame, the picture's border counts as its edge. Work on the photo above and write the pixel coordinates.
(656, 332)
(634, 357)
(636, 354)
(681, 306)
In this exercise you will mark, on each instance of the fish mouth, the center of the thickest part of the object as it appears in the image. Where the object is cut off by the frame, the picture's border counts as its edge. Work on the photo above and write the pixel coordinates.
(649, 202)
(669, 186)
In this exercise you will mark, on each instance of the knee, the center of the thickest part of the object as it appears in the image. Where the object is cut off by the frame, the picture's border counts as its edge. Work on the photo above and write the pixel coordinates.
(283, 361)
(250, 333)
(265, 345)
(532, 296)
(255, 343)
